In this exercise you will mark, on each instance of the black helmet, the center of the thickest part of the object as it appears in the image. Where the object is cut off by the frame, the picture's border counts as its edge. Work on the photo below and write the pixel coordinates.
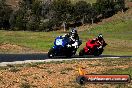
(100, 36)
(73, 31)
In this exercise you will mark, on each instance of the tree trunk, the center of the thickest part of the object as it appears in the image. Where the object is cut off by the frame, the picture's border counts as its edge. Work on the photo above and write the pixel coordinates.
(64, 26)
(122, 11)
(92, 21)
(83, 20)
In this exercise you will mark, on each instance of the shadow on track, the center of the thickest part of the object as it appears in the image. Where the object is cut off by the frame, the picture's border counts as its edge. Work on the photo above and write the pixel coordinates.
(102, 56)
(23, 57)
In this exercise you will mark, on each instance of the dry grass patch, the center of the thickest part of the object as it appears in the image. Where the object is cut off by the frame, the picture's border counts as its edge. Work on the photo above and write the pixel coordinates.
(13, 48)
(59, 74)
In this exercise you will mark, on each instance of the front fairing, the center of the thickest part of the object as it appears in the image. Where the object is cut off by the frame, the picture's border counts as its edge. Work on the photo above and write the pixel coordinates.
(57, 48)
(60, 45)
(60, 41)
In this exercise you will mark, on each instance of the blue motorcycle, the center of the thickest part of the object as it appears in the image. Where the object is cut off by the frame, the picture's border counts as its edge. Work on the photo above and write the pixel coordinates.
(62, 47)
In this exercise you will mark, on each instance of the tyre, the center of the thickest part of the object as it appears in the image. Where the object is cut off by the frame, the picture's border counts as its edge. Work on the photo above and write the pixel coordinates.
(51, 53)
(69, 55)
(101, 51)
(96, 52)
(81, 53)
(81, 80)
(69, 52)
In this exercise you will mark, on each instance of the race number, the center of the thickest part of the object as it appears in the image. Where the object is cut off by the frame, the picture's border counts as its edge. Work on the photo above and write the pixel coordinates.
(58, 41)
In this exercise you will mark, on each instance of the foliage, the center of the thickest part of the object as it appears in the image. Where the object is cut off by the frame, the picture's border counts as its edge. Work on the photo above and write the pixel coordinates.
(110, 7)
(5, 12)
(82, 10)
(36, 15)
(61, 8)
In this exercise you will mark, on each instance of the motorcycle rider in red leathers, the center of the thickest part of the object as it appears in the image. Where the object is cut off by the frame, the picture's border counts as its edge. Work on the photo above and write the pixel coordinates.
(93, 46)
(100, 40)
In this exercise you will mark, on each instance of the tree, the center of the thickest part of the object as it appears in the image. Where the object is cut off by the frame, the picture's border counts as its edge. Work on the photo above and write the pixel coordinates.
(61, 10)
(46, 9)
(36, 7)
(119, 5)
(85, 11)
(5, 11)
(19, 18)
(34, 19)
(93, 14)
(106, 7)
(27, 17)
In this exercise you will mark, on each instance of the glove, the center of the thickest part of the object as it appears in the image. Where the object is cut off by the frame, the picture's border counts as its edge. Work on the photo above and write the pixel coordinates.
(100, 47)
(76, 46)
(68, 45)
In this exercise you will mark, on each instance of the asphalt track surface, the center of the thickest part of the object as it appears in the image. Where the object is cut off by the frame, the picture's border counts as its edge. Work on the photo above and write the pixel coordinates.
(27, 58)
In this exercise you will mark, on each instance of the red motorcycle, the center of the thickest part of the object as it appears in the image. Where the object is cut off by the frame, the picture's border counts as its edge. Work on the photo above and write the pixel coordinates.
(92, 48)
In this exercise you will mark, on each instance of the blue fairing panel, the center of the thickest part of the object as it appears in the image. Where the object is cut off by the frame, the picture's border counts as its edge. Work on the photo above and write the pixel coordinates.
(59, 41)
(57, 48)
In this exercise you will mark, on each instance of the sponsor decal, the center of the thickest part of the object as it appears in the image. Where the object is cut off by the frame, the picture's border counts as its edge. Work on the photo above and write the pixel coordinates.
(100, 78)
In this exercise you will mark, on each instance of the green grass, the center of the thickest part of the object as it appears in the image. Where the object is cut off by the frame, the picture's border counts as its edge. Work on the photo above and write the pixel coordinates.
(88, 1)
(34, 40)
(117, 34)
(121, 71)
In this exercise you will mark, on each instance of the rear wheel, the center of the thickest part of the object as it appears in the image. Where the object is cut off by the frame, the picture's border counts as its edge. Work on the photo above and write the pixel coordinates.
(69, 52)
(81, 53)
(97, 52)
(51, 53)
(69, 55)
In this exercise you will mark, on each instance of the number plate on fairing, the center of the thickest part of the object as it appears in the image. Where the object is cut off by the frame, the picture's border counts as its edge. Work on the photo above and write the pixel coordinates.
(58, 42)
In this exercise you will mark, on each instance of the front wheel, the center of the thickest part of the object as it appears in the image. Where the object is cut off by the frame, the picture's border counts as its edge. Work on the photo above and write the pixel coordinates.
(97, 52)
(81, 53)
(51, 53)
(69, 55)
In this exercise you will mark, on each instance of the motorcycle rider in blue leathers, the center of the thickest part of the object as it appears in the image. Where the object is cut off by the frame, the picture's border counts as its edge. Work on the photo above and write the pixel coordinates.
(74, 38)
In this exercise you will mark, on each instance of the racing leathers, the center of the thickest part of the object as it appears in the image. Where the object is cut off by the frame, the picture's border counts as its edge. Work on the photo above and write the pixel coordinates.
(101, 42)
(74, 40)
